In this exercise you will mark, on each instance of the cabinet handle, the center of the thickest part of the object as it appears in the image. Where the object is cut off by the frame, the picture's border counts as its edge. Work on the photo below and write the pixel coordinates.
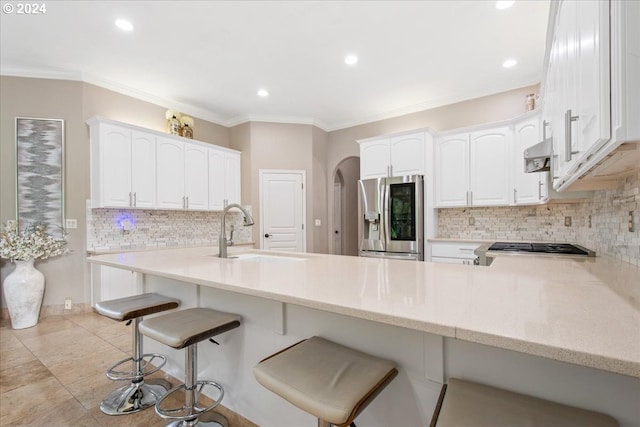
(130, 204)
(135, 198)
(515, 195)
(391, 170)
(470, 198)
(568, 118)
(187, 202)
(184, 203)
(539, 190)
(544, 129)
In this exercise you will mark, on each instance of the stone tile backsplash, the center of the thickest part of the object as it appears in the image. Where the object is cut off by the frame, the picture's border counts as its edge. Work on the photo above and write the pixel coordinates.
(599, 223)
(156, 229)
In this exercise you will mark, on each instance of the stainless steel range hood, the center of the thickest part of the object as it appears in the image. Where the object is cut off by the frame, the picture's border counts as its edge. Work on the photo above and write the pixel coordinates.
(537, 158)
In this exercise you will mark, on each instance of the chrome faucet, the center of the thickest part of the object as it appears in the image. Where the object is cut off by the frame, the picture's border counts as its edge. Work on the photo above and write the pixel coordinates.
(248, 220)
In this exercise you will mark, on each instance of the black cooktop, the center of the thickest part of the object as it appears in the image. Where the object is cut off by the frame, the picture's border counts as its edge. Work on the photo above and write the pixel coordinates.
(547, 248)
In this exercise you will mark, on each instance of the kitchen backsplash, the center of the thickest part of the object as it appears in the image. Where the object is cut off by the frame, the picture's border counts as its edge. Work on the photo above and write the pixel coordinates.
(156, 229)
(607, 211)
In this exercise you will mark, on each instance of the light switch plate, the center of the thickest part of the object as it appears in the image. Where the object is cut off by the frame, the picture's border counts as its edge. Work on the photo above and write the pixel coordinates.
(71, 223)
(567, 221)
(318, 223)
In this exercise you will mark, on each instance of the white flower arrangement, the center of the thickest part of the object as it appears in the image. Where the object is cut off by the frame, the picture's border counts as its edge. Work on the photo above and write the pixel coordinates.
(32, 243)
(171, 113)
(186, 121)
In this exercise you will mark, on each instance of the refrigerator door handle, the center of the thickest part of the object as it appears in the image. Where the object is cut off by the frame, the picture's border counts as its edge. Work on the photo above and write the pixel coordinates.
(384, 220)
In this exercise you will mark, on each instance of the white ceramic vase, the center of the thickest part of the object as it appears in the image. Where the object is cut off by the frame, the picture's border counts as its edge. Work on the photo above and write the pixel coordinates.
(23, 292)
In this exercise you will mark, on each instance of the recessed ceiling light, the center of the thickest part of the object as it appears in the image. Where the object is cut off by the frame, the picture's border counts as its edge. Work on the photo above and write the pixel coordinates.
(263, 93)
(509, 63)
(504, 4)
(351, 60)
(124, 25)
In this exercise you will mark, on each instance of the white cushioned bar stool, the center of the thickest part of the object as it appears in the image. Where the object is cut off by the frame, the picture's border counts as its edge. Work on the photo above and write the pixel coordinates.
(185, 329)
(138, 394)
(329, 381)
(464, 403)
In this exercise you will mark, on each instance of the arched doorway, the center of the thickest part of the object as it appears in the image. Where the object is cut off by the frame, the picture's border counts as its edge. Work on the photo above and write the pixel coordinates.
(345, 207)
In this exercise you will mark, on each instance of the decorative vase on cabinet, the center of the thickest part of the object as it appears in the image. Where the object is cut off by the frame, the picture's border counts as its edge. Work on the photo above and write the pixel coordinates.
(23, 291)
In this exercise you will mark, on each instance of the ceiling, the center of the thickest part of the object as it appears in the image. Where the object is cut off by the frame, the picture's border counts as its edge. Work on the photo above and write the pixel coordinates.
(209, 58)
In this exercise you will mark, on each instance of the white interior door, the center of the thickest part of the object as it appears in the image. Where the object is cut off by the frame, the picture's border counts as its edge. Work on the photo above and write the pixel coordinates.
(337, 219)
(282, 210)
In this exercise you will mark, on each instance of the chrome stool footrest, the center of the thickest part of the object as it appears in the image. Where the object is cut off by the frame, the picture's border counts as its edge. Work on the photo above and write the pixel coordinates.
(134, 397)
(189, 413)
(113, 374)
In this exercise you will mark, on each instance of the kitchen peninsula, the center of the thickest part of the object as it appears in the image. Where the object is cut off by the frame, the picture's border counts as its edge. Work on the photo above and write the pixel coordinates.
(565, 329)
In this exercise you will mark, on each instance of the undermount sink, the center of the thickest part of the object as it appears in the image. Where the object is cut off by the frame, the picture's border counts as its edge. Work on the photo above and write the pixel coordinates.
(252, 257)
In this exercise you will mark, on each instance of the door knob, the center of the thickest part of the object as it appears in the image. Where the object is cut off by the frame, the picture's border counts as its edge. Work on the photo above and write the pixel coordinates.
(267, 235)
(337, 232)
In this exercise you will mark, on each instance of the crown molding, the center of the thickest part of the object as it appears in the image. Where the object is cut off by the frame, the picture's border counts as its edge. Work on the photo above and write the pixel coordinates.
(41, 74)
(295, 120)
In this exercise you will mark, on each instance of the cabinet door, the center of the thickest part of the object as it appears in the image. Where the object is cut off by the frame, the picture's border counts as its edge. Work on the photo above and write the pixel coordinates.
(115, 166)
(143, 170)
(490, 164)
(117, 283)
(170, 174)
(594, 123)
(216, 179)
(233, 178)
(374, 159)
(407, 155)
(452, 171)
(527, 186)
(196, 177)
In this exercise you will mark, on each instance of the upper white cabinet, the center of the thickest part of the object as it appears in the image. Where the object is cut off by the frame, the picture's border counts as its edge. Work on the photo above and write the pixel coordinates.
(122, 167)
(224, 178)
(452, 170)
(472, 169)
(489, 167)
(592, 85)
(170, 164)
(140, 168)
(196, 175)
(528, 188)
(393, 156)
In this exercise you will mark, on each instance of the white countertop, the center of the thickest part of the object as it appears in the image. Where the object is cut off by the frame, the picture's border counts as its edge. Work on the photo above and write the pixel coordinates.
(579, 310)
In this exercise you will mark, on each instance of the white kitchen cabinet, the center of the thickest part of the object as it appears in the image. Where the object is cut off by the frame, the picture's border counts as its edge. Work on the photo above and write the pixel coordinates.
(171, 174)
(117, 283)
(224, 178)
(122, 167)
(452, 170)
(528, 188)
(393, 156)
(578, 90)
(472, 169)
(490, 164)
(454, 252)
(196, 174)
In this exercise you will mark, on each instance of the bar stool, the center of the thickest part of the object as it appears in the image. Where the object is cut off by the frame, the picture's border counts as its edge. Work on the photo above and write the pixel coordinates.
(137, 395)
(186, 328)
(329, 381)
(464, 403)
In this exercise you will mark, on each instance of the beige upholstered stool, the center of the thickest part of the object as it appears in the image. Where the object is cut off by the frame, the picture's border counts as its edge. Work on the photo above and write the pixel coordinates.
(182, 329)
(137, 395)
(464, 403)
(331, 382)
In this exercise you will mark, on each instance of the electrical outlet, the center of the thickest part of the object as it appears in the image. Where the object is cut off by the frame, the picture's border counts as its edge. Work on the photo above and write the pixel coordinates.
(67, 304)
(567, 221)
(631, 227)
(472, 221)
(71, 223)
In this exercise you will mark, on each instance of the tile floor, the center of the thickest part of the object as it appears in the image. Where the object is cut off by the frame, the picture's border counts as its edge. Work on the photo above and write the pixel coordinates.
(52, 375)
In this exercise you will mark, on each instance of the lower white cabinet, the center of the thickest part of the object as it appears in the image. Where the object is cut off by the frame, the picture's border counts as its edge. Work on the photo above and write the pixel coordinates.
(454, 252)
(117, 283)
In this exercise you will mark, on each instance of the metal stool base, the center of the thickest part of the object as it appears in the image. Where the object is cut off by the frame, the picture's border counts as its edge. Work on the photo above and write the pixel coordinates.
(134, 397)
(210, 419)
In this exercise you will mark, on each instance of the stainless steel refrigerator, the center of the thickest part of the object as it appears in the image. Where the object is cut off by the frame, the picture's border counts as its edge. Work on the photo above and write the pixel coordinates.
(391, 218)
